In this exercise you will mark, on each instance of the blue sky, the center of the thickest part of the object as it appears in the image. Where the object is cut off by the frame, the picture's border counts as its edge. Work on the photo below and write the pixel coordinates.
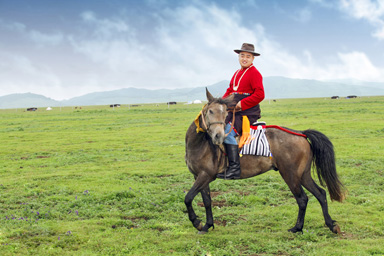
(63, 49)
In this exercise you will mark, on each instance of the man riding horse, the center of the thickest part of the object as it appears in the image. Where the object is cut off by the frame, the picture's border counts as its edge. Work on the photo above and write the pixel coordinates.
(293, 158)
(247, 87)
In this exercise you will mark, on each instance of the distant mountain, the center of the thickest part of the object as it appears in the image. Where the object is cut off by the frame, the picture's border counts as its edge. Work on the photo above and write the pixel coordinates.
(130, 96)
(275, 88)
(25, 100)
(282, 87)
(357, 82)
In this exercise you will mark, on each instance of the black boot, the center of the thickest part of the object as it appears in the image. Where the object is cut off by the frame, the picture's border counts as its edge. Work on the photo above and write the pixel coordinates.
(233, 171)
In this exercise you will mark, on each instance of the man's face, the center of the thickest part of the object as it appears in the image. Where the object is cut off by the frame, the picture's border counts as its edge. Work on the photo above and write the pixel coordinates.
(245, 59)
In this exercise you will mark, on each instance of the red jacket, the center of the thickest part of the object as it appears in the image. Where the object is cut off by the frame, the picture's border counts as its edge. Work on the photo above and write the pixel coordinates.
(247, 81)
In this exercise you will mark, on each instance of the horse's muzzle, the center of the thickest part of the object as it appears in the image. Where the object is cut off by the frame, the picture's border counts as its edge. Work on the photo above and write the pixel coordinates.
(217, 135)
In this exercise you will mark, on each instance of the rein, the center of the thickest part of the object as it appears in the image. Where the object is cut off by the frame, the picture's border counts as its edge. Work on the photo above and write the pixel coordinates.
(207, 127)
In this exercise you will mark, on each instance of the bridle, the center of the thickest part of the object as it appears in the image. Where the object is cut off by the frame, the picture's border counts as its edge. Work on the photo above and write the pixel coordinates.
(223, 123)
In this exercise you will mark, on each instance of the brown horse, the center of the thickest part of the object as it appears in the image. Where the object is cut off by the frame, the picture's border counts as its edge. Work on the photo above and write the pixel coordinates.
(293, 156)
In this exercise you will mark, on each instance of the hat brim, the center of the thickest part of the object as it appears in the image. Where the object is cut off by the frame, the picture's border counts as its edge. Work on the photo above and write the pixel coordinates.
(254, 53)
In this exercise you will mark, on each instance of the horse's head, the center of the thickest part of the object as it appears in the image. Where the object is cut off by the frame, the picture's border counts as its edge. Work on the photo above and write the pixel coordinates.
(214, 115)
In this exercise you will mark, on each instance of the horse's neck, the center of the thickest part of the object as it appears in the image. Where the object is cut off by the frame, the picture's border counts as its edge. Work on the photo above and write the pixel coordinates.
(199, 148)
(195, 139)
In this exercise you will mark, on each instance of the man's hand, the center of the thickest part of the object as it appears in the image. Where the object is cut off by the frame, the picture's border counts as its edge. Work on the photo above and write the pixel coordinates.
(238, 107)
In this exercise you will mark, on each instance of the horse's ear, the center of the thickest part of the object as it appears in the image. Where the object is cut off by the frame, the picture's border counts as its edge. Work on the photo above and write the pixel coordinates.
(210, 98)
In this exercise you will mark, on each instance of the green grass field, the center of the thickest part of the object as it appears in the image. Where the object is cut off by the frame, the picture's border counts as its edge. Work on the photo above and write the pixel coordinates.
(102, 181)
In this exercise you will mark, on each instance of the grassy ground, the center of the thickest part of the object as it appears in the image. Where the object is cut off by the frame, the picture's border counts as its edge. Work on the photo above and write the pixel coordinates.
(101, 181)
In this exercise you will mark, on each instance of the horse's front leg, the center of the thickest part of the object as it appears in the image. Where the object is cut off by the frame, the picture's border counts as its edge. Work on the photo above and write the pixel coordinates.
(201, 182)
(191, 213)
(206, 194)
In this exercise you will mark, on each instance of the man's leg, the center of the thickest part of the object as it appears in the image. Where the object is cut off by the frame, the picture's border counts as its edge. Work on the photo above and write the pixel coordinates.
(232, 149)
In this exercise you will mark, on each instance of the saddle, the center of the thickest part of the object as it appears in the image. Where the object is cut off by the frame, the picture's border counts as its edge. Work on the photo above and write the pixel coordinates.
(253, 140)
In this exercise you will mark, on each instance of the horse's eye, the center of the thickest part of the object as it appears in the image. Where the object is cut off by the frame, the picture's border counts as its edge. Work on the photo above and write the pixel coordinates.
(210, 111)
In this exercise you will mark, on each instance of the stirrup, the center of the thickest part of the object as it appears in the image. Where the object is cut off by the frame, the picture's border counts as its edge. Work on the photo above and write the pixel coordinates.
(230, 176)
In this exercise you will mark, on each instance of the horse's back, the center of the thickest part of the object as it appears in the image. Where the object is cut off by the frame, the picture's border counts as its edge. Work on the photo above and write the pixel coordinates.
(288, 149)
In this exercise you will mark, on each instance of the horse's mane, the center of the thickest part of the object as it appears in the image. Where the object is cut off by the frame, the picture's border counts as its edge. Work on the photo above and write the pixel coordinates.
(220, 100)
(226, 101)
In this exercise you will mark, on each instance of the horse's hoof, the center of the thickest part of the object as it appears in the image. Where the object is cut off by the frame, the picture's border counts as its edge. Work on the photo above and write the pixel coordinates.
(295, 230)
(336, 229)
(200, 227)
(202, 232)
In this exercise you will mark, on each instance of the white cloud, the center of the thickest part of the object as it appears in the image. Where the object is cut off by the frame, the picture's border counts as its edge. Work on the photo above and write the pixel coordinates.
(370, 10)
(354, 65)
(20, 74)
(43, 39)
(190, 44)
(38, 37)
(350, 65)
(14, 26)
(324, 3)
(105, 27)
(195, 47)
(187, 46)
(303, 15)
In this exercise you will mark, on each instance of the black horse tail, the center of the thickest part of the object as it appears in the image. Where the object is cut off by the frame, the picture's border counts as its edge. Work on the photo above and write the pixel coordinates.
(324, 161)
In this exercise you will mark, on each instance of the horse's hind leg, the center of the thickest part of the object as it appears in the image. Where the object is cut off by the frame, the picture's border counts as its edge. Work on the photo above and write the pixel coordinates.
(302, 201)
(201, 182)
(301, 198)
(206, 194)
(321, 196)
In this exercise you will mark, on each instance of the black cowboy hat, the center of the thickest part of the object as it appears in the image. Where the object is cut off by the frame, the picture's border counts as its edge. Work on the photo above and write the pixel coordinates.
(248, 48)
